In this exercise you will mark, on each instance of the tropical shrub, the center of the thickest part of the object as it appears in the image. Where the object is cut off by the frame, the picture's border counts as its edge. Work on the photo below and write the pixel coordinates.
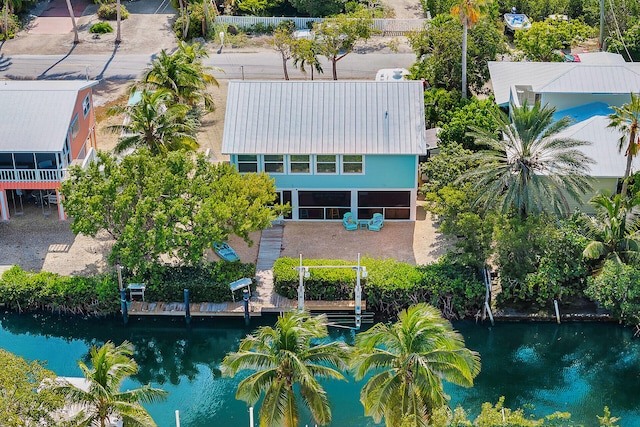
(101, 28)
(390, 285)
(617, 289)
(208, 282)
(109, 11)
(540, 260)
(24, 290)
(14, 26)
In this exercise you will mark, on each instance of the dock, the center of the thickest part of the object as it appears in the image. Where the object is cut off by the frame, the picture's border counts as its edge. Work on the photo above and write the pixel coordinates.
(263, 300)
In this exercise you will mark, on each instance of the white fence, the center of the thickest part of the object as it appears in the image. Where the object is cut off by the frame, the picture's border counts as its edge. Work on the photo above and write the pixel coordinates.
(387, 27)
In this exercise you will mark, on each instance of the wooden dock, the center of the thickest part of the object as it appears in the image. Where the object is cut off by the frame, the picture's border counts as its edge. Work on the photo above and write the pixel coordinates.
(232, 309)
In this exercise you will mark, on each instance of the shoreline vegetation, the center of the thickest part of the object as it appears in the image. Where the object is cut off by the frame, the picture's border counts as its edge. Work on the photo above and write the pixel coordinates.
(456, 291)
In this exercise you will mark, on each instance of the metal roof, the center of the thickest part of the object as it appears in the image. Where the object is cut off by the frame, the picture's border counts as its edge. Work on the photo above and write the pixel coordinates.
(35, 115)
(563, 77)
(603, 148)
(324, 117)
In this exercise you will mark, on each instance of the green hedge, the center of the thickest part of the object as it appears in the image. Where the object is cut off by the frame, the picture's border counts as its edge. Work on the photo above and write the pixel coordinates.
(22, 290)
(390, 286)
(206, 283)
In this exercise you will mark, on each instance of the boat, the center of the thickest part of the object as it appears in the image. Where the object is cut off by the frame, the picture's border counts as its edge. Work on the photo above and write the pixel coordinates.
(516, 21)
(225, 252)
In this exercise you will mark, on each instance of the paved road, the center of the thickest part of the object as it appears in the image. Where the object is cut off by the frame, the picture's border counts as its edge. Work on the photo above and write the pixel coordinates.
(261, 65)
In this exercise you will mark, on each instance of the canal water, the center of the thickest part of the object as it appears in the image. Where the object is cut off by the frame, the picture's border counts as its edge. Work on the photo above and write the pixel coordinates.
(573, 367)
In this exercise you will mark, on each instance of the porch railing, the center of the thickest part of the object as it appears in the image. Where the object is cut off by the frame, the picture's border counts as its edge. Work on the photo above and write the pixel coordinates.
(32, 175)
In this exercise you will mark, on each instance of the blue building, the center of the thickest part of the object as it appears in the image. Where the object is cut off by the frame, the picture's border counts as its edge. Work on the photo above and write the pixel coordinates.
(331, 146)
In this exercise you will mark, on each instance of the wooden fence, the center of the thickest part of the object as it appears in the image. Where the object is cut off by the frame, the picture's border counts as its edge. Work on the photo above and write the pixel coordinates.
(387, 27)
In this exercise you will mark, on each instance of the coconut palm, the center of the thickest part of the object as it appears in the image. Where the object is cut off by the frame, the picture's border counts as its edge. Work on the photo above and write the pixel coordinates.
(528, 165)
(76, 39)
(156, 123)
(285, 356)
(184, 74)
(410, 359)
(615, 231)
(118, 22)
(469, 12)
(625, 119)
(102, 401)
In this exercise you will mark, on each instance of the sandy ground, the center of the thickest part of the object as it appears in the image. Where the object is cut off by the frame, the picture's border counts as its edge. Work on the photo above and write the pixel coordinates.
(37, 240)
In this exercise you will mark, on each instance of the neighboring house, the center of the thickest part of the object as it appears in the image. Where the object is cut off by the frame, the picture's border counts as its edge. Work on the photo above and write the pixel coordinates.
(45, 126)
(331, 146)
(584, 91)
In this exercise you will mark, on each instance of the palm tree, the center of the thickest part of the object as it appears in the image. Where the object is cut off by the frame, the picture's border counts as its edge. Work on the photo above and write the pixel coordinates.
(469, 12)
(102, 400)
(305, 52)
(184, 74)
(118, 22)
(76, 39)
(283, 357)
(615, 232)
(528, 165)
(625, 119)
(156, 123)
(410, 359)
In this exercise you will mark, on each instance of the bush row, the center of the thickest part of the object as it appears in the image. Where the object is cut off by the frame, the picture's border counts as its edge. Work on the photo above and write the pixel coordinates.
(23, 291)
(208, 282)
(390, 286)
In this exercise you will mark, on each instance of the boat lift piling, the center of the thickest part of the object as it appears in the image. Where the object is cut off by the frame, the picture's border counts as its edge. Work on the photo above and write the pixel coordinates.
(361, 273)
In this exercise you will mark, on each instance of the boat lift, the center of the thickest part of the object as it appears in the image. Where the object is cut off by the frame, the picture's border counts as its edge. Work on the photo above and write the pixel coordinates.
(361, 272)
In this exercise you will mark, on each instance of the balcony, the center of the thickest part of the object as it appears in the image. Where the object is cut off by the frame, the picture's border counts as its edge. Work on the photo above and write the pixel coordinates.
(32, 175)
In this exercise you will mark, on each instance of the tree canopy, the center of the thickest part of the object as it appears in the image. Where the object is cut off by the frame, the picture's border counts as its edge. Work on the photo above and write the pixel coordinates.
(439, 49)
(336, 37)
(544, 40)
(285, 356)
(176, 207)
(528, 166)
(20, 403)
(103, 400)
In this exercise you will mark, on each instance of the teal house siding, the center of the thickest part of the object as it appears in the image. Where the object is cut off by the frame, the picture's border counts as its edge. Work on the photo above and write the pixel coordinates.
(381, 171)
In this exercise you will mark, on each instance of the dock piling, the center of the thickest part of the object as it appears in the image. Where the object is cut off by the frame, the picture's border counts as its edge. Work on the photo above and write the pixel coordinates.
(187, 309)
(123, 306)
(245, 302)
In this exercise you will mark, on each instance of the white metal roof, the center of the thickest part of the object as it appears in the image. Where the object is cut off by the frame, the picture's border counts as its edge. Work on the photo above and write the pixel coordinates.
(603, 148)
(563, 77)
(35, 115)
(324, 117)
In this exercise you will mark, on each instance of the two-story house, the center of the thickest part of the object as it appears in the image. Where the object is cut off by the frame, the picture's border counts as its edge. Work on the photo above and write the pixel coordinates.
(331, 146)
(45, 126)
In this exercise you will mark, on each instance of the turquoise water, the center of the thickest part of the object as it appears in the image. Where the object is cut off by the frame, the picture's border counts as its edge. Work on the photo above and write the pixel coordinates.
(576, 367)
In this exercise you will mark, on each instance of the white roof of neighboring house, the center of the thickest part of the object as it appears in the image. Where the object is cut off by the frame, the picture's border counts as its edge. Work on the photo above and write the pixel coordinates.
(601, 58)
(563, 77)
(35, 115)
(609, 162)
(324, 117)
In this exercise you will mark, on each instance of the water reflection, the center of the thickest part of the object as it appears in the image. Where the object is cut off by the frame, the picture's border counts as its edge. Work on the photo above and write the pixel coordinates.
(578, 368)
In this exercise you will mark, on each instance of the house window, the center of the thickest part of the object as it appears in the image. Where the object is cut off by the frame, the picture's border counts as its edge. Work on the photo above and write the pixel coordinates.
(247, 163)
(274, 163)
(352, 164)
(326, 164)
(282, 198)
(323, 204)
(86, 105)
(300, 163)
(66, 153)
(75, 127)
(391, 204)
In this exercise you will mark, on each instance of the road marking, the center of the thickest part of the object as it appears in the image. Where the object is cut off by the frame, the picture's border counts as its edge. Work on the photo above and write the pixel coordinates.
(162, 6)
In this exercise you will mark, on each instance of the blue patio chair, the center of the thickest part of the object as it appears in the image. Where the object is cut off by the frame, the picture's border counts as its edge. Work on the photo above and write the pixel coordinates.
(377, 222)
(349, 222)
